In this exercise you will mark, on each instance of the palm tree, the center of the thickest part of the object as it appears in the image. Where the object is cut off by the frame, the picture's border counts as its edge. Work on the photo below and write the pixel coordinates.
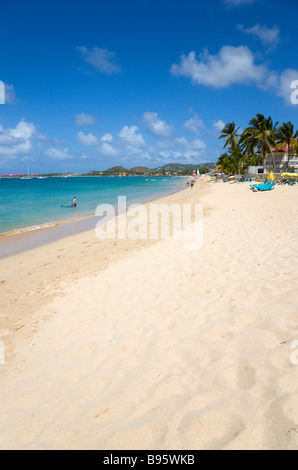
(238, 158)
(252, 159)
(286, 136)
(260, 134)
(226, 164)
(230, 134)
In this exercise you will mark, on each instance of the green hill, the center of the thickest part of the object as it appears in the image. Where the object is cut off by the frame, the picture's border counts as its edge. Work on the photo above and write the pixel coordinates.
(115, 170)
(140, 170)
(169, 168)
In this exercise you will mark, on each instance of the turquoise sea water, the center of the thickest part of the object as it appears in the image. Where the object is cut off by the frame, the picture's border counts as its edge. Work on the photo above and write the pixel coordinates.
(26, 203)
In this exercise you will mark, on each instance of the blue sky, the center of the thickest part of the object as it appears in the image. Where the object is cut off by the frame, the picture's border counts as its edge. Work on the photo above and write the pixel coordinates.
(93, 84)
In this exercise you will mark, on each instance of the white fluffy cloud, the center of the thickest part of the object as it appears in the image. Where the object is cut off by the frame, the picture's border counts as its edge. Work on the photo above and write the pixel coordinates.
(190, 151)
(102, 60)
(268, 36)
(195, 144)
(58, 154)
(88, 139)
(190, 156)
(234, 65)
(108, 150)
(218, 125)
(107, 138)
(156, 125)
(182, 141)
(24, 130)
(84, 119)
(231, 65)
(198, 144)
(194, 124)
(18, 141)
(130, 137)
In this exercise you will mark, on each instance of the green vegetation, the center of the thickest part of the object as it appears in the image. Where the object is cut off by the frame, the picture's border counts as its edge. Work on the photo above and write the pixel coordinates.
(171, 169)
(260, 134)
(204, 170)
(261, 138)
(230, 134)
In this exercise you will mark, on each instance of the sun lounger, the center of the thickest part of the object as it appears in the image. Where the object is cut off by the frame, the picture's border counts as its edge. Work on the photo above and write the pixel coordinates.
(263, 187)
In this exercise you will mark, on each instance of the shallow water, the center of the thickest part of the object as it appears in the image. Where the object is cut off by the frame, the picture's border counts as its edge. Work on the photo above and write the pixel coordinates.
(27, 203)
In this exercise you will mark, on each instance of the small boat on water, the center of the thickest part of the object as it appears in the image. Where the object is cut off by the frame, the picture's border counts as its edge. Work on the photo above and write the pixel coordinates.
(28, 177)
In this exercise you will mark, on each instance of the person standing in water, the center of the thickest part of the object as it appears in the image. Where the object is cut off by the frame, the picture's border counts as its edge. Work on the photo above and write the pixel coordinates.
(74, 202)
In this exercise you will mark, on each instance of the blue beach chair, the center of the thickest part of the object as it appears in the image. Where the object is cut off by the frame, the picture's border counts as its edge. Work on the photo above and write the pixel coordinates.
(263, 187)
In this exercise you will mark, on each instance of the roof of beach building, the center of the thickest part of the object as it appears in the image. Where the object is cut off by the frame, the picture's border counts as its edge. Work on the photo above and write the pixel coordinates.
(284, 149)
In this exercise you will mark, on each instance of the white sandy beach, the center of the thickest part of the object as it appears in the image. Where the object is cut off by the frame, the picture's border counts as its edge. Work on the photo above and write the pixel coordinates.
(145, 345)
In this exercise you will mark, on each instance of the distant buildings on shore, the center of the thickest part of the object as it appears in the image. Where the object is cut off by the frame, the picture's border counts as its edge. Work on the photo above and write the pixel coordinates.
(280, 160)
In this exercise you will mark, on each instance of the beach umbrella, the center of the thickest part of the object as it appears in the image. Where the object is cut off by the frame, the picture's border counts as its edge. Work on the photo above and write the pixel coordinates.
(271, 176)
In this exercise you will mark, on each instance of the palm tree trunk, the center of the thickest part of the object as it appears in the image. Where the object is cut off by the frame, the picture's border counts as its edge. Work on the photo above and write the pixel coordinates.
(273, 161)
(289, 155)
(264, 161)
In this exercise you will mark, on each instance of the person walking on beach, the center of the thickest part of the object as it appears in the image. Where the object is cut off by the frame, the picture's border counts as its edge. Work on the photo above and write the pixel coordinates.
(192, 184)
(74, 202)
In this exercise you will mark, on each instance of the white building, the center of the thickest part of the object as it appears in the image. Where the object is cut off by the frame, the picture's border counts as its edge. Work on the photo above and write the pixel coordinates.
(280, 158)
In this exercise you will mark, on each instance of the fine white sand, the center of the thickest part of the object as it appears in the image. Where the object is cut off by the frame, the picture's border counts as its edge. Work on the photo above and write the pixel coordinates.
(145, 345)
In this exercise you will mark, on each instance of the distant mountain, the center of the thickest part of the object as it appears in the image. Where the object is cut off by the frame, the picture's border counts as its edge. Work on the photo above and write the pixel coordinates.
(116, 170)
(140, 170)
(93, 173)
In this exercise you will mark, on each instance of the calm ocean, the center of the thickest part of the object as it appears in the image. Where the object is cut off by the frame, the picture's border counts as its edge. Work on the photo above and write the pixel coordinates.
(26, 203)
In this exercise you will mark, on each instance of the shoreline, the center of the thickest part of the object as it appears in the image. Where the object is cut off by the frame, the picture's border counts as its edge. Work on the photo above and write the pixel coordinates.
(54, 222)
(20, 240)
(33, 228)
